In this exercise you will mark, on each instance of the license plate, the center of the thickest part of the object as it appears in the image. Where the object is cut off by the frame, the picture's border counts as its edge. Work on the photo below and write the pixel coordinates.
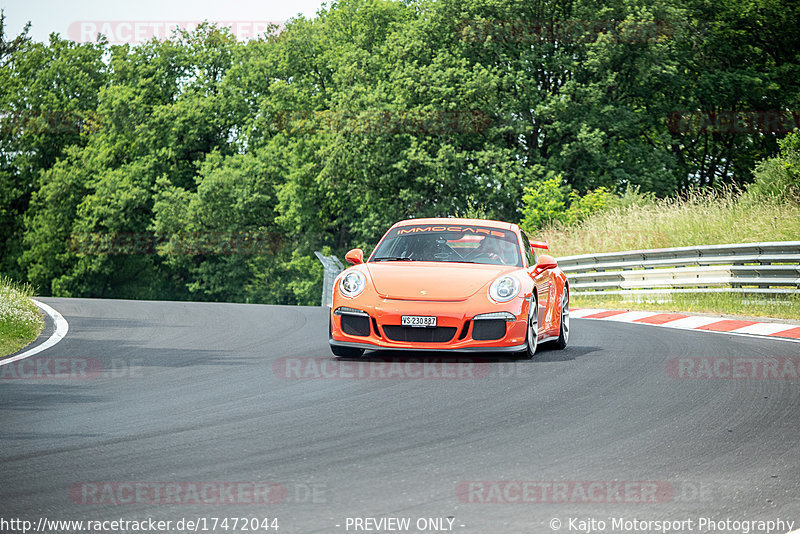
(417, 320)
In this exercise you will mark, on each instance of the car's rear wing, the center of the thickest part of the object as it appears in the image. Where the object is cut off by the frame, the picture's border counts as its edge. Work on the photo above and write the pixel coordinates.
(540, 244)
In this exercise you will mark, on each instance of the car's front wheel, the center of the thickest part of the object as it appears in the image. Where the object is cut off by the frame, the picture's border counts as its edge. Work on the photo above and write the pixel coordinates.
(532, 336)
(563, 335)
(346, 352)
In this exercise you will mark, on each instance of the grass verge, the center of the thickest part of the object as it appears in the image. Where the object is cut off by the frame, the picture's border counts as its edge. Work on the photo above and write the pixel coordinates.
(783, 307)
(706, 218)
(710, 218)
(20, 319)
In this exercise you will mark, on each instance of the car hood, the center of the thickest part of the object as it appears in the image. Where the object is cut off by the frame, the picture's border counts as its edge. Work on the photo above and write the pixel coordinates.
(432, 281)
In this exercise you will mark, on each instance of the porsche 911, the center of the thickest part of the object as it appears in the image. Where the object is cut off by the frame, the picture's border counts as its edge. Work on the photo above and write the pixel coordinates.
(462, 285)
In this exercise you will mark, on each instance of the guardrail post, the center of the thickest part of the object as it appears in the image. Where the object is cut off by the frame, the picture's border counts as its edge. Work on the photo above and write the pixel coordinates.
(332, 267)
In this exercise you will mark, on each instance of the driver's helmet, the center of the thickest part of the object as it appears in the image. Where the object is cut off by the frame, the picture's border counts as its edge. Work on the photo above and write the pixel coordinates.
(427, 247)
(491, 247)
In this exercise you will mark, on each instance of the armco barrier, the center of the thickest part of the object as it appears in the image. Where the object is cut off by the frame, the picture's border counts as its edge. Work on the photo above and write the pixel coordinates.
(764, 268)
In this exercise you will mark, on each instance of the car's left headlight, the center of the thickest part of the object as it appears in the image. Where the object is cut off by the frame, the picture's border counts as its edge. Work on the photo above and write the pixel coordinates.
(504, 288)
(352, 284)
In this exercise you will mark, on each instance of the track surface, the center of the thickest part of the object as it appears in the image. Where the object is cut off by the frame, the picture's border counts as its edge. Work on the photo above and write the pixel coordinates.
(194, 396)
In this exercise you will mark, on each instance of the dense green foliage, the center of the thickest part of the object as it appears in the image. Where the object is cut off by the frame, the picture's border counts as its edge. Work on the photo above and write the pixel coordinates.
(205, 168)
(779, 177)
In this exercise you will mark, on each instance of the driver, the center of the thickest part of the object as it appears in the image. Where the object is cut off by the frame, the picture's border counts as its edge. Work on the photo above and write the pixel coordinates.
(440, 249)
(426, 248)
(491, 249)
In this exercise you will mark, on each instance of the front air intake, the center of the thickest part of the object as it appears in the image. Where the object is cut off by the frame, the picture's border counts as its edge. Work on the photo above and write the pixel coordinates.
(440, 334)
(355, 325)
(488, 329)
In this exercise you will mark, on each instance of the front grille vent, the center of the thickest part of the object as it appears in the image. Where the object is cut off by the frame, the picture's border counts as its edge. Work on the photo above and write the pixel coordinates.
(488, 329)
(439, 334)
(355, 325)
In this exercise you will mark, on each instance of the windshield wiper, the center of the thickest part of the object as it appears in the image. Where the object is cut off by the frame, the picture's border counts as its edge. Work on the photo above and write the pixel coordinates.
(393, 258)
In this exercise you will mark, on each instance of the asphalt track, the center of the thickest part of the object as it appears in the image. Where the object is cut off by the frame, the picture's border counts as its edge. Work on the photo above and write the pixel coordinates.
(197, 393)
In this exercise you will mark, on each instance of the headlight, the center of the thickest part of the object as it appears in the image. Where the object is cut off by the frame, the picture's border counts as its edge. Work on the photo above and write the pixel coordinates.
(352, 284)
(504, 288)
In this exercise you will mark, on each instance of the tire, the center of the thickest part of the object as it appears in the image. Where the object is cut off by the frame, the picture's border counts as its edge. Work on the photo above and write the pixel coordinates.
(346, 352)
(532, 336)
(563, 334)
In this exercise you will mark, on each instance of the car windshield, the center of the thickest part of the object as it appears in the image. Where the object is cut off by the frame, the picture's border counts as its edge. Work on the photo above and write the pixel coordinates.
(455, 244)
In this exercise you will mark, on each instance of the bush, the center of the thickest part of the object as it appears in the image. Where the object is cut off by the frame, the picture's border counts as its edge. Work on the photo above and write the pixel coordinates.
(581, 207)
(779, 177)
(544, 202)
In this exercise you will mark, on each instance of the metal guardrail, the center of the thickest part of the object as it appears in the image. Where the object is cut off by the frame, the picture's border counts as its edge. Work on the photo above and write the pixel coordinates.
(333, 266)
(765, 268)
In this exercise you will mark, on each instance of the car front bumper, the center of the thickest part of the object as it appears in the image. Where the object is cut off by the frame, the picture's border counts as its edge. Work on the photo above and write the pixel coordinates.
(378, 326)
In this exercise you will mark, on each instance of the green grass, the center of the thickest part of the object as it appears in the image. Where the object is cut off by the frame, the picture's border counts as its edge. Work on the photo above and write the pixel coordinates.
(783, 307)
(20, 319)
(701, 219)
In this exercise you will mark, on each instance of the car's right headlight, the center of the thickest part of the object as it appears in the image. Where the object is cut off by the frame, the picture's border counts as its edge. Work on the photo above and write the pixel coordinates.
(352, 284)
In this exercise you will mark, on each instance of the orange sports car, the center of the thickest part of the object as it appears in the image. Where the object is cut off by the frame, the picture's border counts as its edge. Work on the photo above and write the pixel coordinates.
(450, 285)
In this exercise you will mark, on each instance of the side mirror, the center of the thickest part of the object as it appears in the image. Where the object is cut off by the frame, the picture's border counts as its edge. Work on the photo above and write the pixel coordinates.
(545, 262)
(355, 256)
